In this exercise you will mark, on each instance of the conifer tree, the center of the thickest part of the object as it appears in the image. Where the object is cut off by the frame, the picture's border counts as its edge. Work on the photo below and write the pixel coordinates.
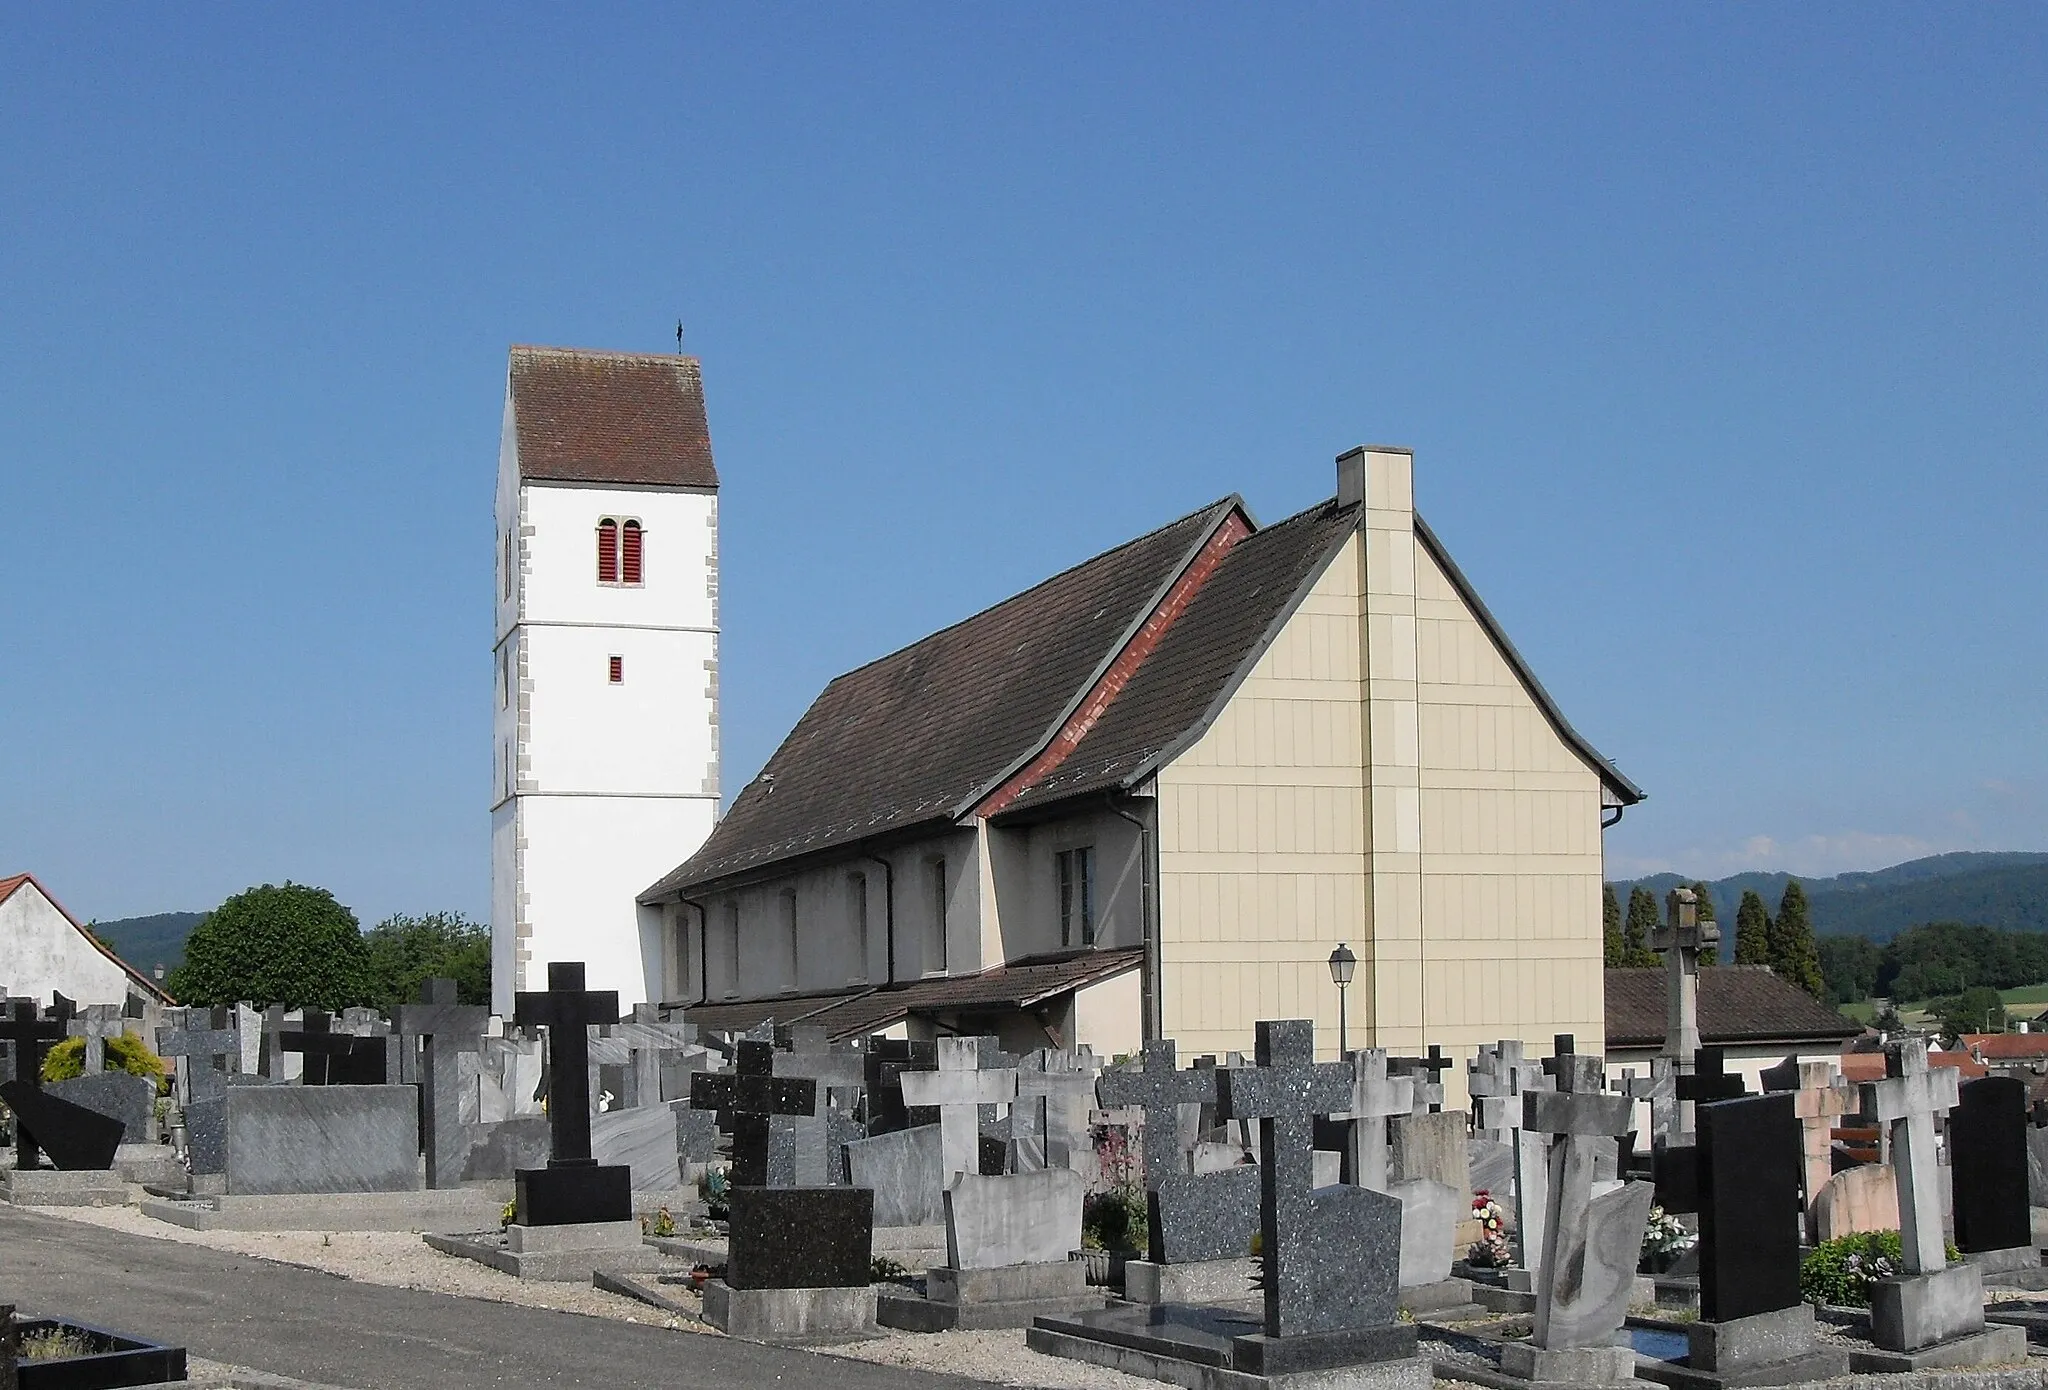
(1642, 921)
(1610, 923)
(1752, 931)
(1709, 954)
(1795, 955)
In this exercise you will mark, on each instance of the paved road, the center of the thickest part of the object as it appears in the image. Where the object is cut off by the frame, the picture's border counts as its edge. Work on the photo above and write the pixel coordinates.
(313, 1326)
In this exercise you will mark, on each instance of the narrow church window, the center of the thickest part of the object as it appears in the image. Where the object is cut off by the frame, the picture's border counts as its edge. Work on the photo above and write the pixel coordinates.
(607, 551)
(630, 537)
(616, 669)
(732, 950)
(935, 958)
(789, 933)
(857, 909)
(511, 561)
(1077, 896)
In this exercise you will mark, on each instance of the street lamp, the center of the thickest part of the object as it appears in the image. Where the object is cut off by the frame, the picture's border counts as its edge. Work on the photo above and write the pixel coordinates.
(1342, 964)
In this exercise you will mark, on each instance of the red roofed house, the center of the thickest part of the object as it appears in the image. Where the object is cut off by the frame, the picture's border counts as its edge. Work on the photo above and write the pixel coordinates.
(44, 949)
(2024, 1055)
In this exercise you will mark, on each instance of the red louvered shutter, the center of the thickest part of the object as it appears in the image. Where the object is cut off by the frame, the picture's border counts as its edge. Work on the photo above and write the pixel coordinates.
(618, 670)
(607, 551)
(629, 553)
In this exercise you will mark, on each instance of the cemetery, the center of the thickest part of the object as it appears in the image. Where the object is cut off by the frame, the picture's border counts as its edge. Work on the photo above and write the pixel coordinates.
(1232, 1221)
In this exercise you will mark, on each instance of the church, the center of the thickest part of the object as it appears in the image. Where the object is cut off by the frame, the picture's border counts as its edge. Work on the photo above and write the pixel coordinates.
(1152, 795)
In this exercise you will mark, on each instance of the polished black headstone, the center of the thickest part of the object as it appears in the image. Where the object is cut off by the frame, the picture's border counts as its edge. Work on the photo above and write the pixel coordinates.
(751, 1096)
(800, 1237)
(1987, 1145)
(1674, 1168)
(74, 1137)
(325, 1050)
(573, 1188)
(28, 1037)
(1750, 1206)
(573, 1194)
(1206, 1216)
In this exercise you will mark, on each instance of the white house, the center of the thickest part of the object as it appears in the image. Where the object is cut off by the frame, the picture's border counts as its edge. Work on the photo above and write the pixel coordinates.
(44, 950)
(606, 721)
(1148, 798)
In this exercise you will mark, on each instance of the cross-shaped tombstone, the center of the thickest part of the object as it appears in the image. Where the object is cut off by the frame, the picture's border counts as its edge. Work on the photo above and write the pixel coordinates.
(317, 1041)
(839, 1074)
(96, 1023)
(754, 1096)
(1054, 1089)
(1375, 1098)
(1820, 1097)
(1710, 1080)
(959, 1088)
(574, 1188)
(1306, 1290)
(649, 1038)
(887, 1060)
(1682, 936)
(198, 1047)
(1906, 1102)
(272, 1062)
(1428, 1074)
(444, 1028)
(1660, 1089)
(1590, 1244)
(1158, 1088)
(1493, 1078)
(28, 1036)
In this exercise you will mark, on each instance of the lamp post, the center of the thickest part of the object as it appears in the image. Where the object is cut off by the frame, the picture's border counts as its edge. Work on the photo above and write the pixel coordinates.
(1342, 964)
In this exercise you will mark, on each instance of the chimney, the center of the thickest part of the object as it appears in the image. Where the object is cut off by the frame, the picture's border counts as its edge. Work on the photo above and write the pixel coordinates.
(1388, 467)
(1351, 477)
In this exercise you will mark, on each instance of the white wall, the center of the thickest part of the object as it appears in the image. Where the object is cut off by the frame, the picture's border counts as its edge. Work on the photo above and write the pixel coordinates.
(41, 951)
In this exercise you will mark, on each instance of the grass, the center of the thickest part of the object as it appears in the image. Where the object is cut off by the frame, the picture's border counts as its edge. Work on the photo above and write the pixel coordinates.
(1917, 1015)
(52, 1345)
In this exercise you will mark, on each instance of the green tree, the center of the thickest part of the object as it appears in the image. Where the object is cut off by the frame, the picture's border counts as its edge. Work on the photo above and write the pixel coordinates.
(1794, 955)
(1610, 927)
(292, 945)
(1975, 1010)
(1752, 931)
(402, 951)
(1710, 954)
(1849, 966)
(1641, 922)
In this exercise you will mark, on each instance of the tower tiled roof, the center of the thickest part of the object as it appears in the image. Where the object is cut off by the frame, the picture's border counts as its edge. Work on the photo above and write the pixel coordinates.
(633, 419)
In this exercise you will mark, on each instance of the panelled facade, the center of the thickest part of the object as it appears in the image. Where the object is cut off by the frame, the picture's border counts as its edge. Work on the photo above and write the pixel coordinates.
(1164, 786)
(606, 685)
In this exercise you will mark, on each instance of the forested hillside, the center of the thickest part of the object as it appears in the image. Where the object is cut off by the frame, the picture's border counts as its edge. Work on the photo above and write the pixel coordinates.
(147, 942)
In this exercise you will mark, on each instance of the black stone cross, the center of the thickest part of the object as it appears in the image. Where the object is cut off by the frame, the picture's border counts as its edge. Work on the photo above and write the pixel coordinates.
(1430, 1092)
(321, 1045)
(568, 1011)
(1318, 1247)
(1159, 1088)
(753, 1095)
(447, 1028)
(1708, 1081)
(29, 1035)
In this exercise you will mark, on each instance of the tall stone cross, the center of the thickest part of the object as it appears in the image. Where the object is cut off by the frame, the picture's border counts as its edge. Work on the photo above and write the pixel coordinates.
(1284, 1092)
(29, 1034)
(568, 1011)
(1682, 936)
(1160, 1088)
(1375, 1098)
(271, 1061)
(1906, 1102)
(753, 1095)
(198, 1047)
(959, 1088)
(1590, 1244)
(446, 1028)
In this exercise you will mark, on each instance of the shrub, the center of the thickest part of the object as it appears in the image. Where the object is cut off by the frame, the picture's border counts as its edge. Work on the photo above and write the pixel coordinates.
(1842, 1271)
(124, 1053)
(1115, 1220)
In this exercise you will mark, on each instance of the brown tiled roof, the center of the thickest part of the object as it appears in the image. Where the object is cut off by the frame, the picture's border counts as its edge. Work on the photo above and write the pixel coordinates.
(1229, 624)
(1738, 1004)
(1998, 1047)
(852, 1014)
(1869, 1066)
(918, 736)
(610, 417)
(143, 982)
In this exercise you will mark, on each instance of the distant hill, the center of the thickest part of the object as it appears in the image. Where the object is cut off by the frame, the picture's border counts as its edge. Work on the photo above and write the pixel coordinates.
(2008, 890)
(147, 942)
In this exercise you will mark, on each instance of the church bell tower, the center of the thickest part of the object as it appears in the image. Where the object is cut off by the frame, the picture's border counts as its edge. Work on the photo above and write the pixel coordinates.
(606, 689)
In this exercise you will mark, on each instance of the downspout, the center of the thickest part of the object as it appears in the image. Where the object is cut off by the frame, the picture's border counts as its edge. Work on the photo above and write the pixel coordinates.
(703, 949)
(1150, 1002)
(888, 912)
(1606, 824)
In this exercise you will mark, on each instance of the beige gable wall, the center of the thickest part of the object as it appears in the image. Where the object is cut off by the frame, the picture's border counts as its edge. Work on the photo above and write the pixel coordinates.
(1461, 860)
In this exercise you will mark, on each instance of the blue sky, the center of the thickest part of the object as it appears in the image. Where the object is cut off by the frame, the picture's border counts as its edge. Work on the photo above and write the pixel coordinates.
(1718, 333)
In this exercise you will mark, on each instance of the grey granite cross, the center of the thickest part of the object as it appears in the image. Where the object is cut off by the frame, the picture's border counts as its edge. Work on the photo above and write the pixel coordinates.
(959, 1088)
(198, 1047)
(1375, 1098)
(1682, 936)
(1159, 1088)
(445, 1028)
(96, 1023)
(1906, 1102)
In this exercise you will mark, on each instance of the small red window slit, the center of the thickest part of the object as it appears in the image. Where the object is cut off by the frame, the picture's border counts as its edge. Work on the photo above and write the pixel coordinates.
(618, 670)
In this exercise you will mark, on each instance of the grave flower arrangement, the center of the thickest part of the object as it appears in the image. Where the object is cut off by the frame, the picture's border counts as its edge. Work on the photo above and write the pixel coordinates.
(1843, 1271)
(1490, 1251)
(1665, 1237)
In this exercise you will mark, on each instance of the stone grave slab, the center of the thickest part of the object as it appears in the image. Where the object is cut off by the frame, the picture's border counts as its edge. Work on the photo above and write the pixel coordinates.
(1025, 1218)
(117, 1095)
(314, 1139)
(1864, 1198)
(904, 1169)
(641, 1140)
(1209, 1348)
(800, 1238)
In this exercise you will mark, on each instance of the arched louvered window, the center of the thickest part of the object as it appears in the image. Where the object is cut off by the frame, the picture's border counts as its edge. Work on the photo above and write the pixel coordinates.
(629, 552)
(607, 551)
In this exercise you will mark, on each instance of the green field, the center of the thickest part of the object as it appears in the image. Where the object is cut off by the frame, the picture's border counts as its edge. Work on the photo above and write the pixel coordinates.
(2025, 999)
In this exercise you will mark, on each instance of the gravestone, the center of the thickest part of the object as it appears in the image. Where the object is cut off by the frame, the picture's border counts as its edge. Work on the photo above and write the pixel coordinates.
(2037, 1165)
(1055, 1088)
(905, 1170)
(1430, 1147)
(1020, 1219)
(1376, 1097)
(75, 1138)
(1196, 1217)
(1681, 937)
(1591, 1244)
(643, 1140)
(325, 1053)
(887, 1061)
(958, 1089)
(838, 1074)
(574, 1189)
(765, 1153)
(1863, 1198)
(1660, 1090)
(131, 1100)
(445, 1029)
(28, 1037)
(304, 1140)
(1158, 1088)
(1987, 1144)
(800, 1238)
(1820, 1098)
(96, 1023)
